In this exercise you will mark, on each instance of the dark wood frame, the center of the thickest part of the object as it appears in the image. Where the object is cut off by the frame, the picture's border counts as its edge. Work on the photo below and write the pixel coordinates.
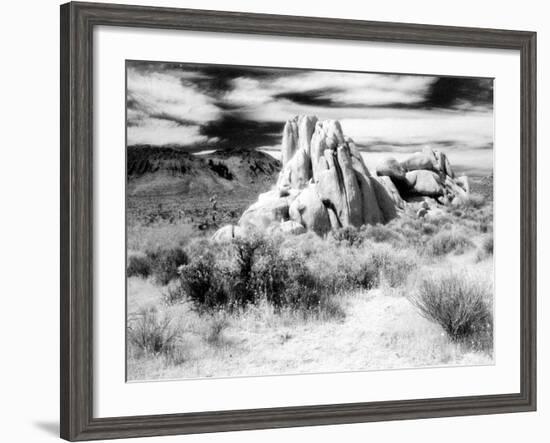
(77, 24)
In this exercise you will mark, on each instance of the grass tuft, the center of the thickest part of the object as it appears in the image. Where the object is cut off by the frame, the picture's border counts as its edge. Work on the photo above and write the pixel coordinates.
(459, 304)
(152, 333)
(446, 242)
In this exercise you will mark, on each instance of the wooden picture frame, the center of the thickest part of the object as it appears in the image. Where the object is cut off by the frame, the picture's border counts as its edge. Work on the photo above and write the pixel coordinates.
(77, 23)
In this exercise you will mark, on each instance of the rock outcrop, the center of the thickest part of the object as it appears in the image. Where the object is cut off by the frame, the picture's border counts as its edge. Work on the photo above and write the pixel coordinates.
(428, 174)
(325, 184)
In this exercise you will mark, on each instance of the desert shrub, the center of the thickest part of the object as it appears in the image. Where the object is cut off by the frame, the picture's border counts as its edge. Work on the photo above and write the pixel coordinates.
(161, 235)
(201, 281)
(302, 290)
(348, 235)
(244, 273)
(381, 234)
(446, 242)
(213, 333)
(174, 293)
(483, 226)
(486, 249)
(152, 333)
(442, 221)
(410, 230)
(329, 308)
(165, 263)
(138, 265)
(281, 273)
(458, 303)
(240, 281)
(392, 267)
(429, 228)
(271, 274)
(284, 279)
(473, 200)
(340, 268)
(488, 245)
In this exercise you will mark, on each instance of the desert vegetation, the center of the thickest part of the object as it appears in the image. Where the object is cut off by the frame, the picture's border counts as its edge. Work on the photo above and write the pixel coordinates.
(414, 292)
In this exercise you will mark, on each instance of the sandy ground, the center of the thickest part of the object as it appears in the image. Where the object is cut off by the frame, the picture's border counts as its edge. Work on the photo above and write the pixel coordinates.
(380, 330)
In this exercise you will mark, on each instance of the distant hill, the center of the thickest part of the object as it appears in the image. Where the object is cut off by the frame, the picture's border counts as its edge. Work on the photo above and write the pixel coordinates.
(168, 171)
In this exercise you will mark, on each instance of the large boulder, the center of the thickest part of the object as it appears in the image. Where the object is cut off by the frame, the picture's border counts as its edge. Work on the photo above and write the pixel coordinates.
(426, 183)
(346, 190)
(390, 167)
(270, 208)
(290, 141)
(463, 182)
(457, 191)
(296, 152)
(443, 166)
(309, 211)
(418, 161)
(353, 198)
(388, 197)
(297, 172)
(228, 233)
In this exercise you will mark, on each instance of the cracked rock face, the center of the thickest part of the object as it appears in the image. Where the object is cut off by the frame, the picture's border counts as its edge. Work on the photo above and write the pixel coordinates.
(325, 184)
(428, 174)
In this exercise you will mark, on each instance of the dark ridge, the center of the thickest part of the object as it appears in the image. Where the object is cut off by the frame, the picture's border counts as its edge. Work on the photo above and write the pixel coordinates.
(144, 159)
(220, 169)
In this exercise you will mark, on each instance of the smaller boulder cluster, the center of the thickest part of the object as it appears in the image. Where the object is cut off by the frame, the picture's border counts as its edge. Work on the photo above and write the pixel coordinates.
(325, 184)
(426, 174)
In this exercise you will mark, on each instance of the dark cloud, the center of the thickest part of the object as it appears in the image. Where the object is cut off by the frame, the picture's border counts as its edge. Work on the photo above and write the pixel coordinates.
(452, 92)
(235, 131)
(219, 78)
(313, 97)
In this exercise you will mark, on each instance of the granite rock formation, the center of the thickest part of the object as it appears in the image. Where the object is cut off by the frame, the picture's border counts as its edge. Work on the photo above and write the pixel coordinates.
(324, 183)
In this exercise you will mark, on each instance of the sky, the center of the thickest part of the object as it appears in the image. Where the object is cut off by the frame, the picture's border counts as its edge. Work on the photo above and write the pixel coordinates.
(203, 107)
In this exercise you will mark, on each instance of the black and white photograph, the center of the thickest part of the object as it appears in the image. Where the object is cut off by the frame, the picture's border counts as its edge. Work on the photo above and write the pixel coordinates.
(287, 221)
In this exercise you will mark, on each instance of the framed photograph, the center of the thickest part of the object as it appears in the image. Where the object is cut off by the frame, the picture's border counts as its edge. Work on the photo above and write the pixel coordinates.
(272, 221)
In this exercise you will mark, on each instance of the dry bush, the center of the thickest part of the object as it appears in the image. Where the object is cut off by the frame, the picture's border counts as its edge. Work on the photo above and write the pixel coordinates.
(242, 273)
(393, 266)
(460, 304)
(138, 265)
(446, 242)
(241, 282)
(415, 231)
(164, 263)
(216, 325)
(486, 249)
(488, 245)
(348, 235)
(162, 235)
(338, 268)
(151, 332)
(382, 234)
(473, 201)
(201, 281)
(429, 228)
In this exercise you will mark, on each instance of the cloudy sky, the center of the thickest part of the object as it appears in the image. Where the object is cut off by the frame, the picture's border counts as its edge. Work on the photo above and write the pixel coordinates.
(200, 107)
